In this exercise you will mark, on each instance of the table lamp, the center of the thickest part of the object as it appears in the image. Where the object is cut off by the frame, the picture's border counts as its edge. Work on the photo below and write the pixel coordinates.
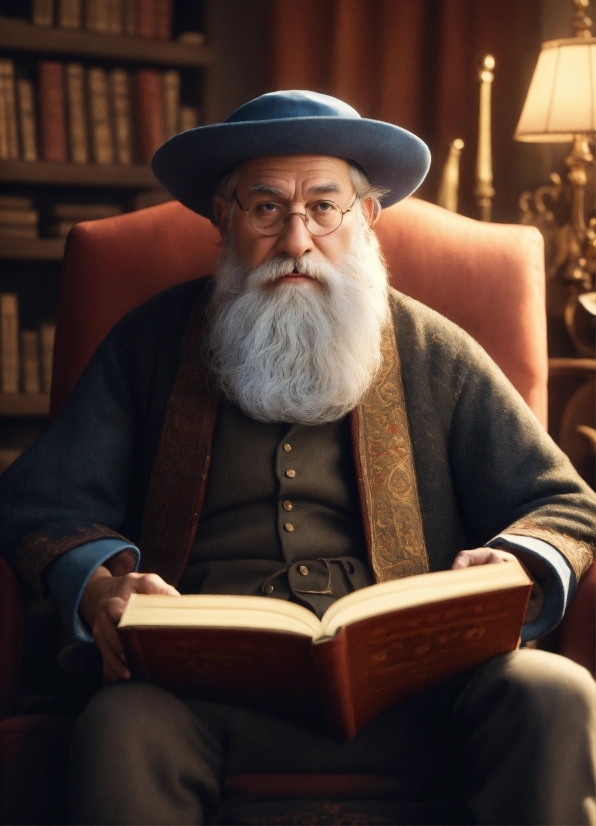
(561, 106)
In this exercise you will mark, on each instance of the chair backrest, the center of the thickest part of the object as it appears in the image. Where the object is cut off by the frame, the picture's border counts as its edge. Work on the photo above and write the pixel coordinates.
(487, 278)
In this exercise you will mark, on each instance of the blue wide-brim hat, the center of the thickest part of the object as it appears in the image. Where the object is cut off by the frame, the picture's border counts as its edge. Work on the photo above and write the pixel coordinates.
(191, 165)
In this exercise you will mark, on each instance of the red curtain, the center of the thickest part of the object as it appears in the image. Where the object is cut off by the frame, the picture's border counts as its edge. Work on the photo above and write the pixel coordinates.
(415, 63)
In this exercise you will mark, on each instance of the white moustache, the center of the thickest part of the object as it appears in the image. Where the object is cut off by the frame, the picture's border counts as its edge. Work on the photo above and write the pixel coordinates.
(268, 272)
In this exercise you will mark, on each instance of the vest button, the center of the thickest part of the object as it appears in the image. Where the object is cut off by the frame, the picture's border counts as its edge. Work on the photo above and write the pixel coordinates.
(303, 570)
(288, 527)
(269, 588)
(290, 473)
(287, 447)
(287, 505)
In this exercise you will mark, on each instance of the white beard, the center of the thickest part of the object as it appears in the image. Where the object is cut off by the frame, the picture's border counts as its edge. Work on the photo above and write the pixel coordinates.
(299, 352)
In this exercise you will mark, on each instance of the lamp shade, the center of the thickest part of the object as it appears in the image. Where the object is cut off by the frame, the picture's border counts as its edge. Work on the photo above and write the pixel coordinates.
(561, 100)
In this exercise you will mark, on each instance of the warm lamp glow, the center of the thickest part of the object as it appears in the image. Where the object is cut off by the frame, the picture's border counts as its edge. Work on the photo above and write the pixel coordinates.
(561, 101)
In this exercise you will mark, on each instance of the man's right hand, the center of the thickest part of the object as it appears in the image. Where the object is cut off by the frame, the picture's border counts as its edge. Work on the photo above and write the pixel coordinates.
(102, 604)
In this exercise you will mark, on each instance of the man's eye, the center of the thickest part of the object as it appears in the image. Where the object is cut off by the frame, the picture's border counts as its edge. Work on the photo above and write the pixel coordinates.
(323, 206)
(268, 208)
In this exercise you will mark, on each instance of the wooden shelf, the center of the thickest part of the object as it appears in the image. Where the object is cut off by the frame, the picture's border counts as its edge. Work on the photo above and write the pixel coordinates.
(21, 35)
(23, 404)
(36, 249)
(70, 174)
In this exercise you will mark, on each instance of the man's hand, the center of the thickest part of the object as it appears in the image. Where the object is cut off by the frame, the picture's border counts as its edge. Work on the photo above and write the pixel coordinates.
(103, 602)
(481, 556)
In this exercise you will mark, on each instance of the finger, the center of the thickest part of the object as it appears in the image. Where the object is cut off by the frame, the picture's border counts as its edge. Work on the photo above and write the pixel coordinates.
(466, 559)
(121, 563)
(481, 556)
(153, 584)
(108, 641)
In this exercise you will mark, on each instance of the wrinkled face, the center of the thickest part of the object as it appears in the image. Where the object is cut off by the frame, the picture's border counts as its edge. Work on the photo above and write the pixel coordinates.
(296, 182)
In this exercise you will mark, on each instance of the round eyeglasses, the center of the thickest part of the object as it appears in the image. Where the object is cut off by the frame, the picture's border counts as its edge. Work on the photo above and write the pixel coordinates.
(270, 218)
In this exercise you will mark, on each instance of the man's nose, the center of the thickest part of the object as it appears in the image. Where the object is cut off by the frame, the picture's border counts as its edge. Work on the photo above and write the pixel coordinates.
(295, 239)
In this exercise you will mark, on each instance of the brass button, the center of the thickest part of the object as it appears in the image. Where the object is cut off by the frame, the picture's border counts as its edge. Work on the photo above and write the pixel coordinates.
(290, 473)
(269, 588)
(288, 527)
(287, 505)
(303, 570)
(287, 447)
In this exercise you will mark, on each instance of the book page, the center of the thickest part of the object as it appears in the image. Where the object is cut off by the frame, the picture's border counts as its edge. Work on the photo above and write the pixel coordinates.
(422, 589)
(219, 611)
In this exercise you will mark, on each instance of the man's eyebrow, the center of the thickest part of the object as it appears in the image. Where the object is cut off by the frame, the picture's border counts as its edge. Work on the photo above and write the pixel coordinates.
(267, 190)
(323, 189)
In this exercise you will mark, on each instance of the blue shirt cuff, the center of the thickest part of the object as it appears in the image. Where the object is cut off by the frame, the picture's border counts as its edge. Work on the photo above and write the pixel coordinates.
(559, 590)
(68, 575)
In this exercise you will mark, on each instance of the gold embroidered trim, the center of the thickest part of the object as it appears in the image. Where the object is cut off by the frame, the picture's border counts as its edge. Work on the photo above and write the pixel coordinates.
(179, 480)
(387, 474)
(37, 550)
(579, 554)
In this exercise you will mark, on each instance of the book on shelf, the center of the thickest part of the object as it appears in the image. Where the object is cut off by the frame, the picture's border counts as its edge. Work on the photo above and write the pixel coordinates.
(163, 11)
(27, 120)
(9, 103)
(15, 202)
(145, 18)
(189, 118)
(76, 109)
(84, 212)
(30, 362)
(18, 233)
(115, 11)
(18, 217)
(129, 17)
(42, 12)
(70, 14)
(52, 111)
(150, 198)
(102, 151)
(372, 648)
(97, 16)
(47, 335)
(9, 343)
(171, 100)
(119, 83)
(149, 113)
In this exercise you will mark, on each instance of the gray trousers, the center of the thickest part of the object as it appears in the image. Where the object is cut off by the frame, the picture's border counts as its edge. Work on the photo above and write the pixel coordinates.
(513, 741)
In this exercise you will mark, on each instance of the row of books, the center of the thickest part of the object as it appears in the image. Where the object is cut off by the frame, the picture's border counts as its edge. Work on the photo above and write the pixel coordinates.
(25, 355)
(19, 219)
(136, 18)
(89, 115)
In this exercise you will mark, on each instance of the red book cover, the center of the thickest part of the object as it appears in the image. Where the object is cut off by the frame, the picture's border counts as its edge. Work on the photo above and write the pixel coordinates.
(145, 18)
(163, 19)
(149, 113)
(52, 112)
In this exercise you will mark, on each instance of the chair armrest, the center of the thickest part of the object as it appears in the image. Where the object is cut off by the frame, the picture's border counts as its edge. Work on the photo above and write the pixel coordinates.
(577, 632)
(11, 638)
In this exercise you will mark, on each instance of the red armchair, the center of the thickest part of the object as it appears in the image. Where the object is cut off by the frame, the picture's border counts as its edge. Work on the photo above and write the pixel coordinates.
(488, 278)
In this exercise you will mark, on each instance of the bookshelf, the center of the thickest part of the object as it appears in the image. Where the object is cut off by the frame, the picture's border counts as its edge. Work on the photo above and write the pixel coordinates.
(30, 266)
(20, 35)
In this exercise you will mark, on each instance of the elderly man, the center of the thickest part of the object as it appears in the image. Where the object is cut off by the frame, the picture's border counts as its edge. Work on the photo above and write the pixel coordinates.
(265, 389)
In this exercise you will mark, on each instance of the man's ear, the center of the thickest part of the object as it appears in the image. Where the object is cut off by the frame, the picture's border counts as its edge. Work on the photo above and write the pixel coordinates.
(371, 213)
(221, 211)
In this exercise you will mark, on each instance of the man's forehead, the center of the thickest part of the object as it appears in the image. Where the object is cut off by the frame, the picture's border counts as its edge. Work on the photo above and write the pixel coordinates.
(293, 168)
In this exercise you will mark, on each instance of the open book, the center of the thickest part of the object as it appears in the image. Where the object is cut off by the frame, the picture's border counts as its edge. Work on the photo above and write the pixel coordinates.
(371, 649)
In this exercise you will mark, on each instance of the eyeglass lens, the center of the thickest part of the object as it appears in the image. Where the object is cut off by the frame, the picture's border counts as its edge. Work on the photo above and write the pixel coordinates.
(320, 218)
